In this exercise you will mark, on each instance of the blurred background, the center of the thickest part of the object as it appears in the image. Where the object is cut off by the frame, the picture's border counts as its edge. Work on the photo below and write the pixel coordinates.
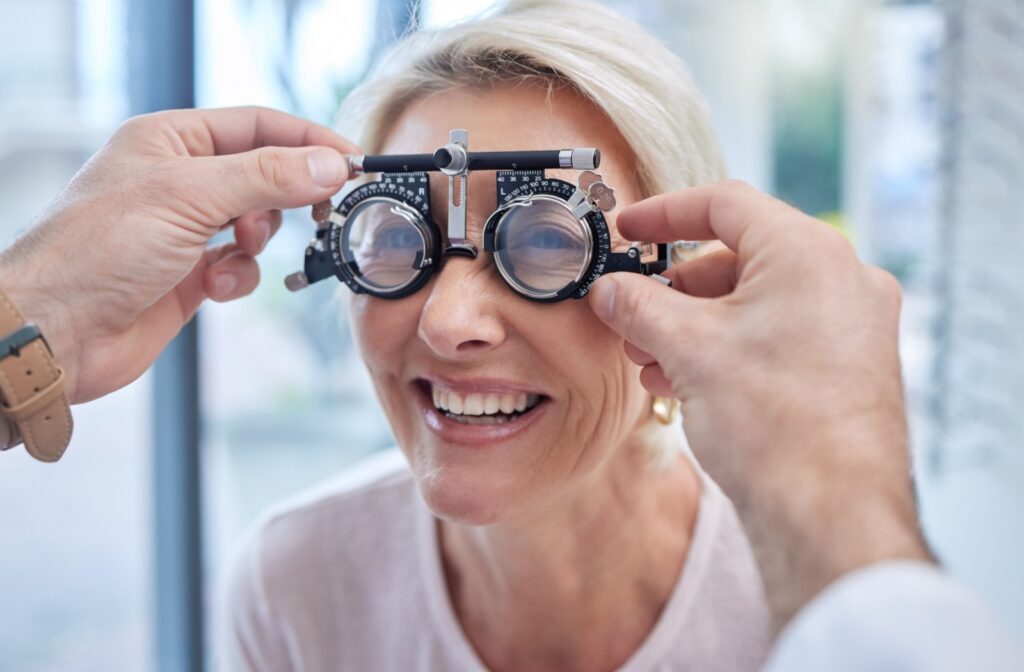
(898, 121)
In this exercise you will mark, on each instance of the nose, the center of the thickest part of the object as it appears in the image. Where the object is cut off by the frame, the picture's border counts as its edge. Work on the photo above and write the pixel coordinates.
(461, 317)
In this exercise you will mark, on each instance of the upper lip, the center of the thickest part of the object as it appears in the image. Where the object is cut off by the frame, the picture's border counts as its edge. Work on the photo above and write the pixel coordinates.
(480, 385)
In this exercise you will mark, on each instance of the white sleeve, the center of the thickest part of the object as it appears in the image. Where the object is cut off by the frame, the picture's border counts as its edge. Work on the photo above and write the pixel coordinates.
(907, 616)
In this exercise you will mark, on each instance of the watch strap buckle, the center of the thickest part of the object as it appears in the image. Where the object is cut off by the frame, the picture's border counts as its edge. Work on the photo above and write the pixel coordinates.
(32, 395)
(12, 343)
(37, 402)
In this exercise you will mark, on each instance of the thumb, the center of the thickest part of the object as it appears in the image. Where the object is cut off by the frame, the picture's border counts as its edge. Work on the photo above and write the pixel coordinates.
(646, 313)
(271, 178)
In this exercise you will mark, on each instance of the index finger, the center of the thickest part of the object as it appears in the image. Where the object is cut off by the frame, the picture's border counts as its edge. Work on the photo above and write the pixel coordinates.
(728, 211)
(232, 130)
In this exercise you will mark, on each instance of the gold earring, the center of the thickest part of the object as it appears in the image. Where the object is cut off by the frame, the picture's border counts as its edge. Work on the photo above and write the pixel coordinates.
(665, 410)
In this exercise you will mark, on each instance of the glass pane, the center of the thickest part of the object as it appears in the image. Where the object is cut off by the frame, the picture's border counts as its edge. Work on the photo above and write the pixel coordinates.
(286, 401)
(75, 567)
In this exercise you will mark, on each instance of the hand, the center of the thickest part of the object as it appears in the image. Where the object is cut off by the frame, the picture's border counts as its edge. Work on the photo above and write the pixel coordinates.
(783, 350)
(119, 262)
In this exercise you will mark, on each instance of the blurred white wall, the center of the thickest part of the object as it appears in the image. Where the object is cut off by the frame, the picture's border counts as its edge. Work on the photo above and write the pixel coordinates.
(933, 189)
(727, 49)
(973, 476)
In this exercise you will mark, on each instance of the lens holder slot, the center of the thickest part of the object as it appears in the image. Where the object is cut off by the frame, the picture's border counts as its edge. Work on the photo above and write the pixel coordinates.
(410, 194)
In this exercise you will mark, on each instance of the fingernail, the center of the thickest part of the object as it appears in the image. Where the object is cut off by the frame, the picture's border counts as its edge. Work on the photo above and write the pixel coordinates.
(603, 302)
(327, 167)
(224, 284)
(263, 230)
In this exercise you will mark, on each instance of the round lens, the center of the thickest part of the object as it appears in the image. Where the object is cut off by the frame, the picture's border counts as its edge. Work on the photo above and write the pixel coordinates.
(387, 242)
(541, 247)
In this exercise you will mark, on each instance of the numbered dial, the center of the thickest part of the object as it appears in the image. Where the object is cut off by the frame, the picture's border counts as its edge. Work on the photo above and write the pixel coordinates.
(544, 251)
(382, 240)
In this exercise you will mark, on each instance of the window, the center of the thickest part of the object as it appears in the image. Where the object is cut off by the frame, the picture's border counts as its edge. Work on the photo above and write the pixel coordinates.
(75, 569)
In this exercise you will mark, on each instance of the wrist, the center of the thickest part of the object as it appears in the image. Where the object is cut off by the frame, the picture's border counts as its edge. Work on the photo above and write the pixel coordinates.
(803, 548)
(40, 306)
(836, 508)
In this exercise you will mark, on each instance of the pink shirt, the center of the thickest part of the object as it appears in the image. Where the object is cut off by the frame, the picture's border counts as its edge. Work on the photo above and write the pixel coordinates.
(349, 578)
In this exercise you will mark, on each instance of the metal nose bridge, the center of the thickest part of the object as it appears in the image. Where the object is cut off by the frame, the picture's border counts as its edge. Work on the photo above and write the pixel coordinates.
(457, 170)
(486, 271)
(470, 245)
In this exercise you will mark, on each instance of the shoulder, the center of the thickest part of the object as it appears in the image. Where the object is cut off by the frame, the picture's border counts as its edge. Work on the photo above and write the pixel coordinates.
(337, 531)
(316, 566)
(367, 500)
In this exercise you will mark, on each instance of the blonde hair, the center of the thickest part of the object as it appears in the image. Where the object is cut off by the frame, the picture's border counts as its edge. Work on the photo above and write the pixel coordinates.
(642, 87)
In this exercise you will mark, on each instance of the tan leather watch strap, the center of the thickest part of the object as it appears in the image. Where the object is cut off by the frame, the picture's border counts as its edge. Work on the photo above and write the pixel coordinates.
(32, 386)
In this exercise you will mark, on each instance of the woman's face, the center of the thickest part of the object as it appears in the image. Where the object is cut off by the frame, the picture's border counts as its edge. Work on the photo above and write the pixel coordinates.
(467, 343)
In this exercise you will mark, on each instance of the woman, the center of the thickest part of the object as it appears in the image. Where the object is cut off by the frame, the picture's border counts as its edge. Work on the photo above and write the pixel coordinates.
(573, 533)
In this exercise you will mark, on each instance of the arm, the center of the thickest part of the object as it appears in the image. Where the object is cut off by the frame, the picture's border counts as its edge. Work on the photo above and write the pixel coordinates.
(896, 615)
(783, 349)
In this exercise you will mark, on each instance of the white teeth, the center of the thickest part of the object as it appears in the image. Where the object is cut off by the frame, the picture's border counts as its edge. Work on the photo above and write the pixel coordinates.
(473, 404)
(481, 419)
(476, 404)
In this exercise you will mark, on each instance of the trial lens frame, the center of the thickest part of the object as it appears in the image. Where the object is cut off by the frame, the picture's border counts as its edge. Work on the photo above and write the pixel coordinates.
(456, 162)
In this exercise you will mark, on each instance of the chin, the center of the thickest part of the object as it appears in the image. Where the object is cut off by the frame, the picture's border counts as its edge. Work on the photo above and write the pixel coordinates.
(466, 497)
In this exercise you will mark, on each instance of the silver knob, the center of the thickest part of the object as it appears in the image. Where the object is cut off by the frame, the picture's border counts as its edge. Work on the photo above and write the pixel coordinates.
(585, 158)
(296, 281)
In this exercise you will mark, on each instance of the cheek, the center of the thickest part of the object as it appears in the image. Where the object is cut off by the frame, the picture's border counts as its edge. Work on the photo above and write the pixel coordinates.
(605, 398)
(381, 330)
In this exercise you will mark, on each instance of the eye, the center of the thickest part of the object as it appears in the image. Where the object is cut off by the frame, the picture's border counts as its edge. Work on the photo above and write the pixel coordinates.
(399, 237)
(545, 238)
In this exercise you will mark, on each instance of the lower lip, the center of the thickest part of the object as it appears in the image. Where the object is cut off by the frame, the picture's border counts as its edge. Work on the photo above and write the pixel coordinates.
(453, 431)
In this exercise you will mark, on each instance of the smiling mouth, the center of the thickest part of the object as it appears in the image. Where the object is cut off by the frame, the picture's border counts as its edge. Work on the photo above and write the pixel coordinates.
(481, 408)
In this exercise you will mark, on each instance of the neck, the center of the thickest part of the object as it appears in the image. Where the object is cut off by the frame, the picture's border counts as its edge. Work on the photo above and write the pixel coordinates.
(582, 581)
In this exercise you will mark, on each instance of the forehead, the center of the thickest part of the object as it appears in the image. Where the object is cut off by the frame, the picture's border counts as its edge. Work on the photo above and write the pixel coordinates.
(523, 117)
(501, 118)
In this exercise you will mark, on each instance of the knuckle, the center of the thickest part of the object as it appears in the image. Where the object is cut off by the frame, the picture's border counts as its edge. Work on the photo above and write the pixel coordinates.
(888, 285)
(835, 239)
(726, 193)
(827, 243)
(635, 306)
(735, 186)
(695, 354)
(133, 126)
(273, 170)
(722, 199)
